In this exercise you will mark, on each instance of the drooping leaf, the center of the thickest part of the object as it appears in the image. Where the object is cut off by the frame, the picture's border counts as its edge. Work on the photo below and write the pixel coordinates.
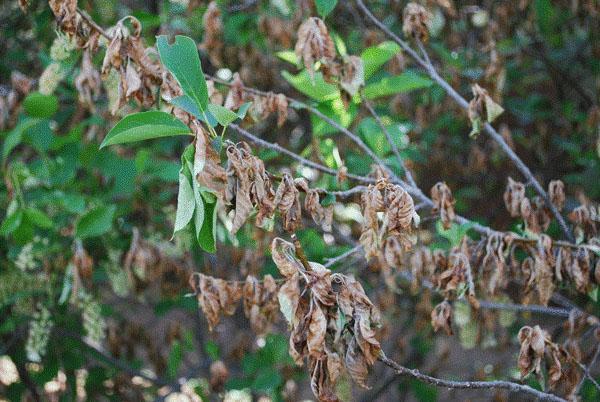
(186, 203)
(95, 222)
(207, 235)
(405, 82)
(182, 60)
(144, 126)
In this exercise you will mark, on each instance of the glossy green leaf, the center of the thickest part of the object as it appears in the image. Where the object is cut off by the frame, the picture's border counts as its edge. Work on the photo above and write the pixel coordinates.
(95, 222)
(405, 82)
(42, 106)
(223, 115)
(207, 234)
(144, 126)
(182, 60)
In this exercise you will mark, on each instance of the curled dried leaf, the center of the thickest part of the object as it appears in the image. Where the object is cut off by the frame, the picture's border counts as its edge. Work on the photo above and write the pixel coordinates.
(314, 44)
(443, 202)
(556, 192)
(416, 21)
(482, 109)
(441, 317)
(532, 350)
(513, 197)
(284, 256)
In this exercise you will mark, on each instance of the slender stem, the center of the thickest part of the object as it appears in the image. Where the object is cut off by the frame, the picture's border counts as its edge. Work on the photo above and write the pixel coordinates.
(491, 131)
(391, 141)
(438, 382)
(343, 256)
(274, 146)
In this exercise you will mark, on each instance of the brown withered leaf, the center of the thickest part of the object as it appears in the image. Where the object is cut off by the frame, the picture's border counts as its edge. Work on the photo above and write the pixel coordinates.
(482, 109)
(579, 270)
(314, 44)
(441, 317)
(544, 273)
(399, 208)
(215, 296)
(66, 14)
(212, 175)
(260, 302)
(316, 332)
(556, 192)
(284, 257)
(212, 41)
(218, 375)
(513, 196)
(287, 200)
(352, 75)
(443, 203)
(87, 82)
(236, 95)
(356, 364)
(289, 298)
(416, 21)
(372, 203)
(555, 369)
(532, 350)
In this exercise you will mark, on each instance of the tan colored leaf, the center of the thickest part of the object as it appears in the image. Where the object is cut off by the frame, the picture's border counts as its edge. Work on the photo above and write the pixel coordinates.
(513, 196)
(416, 21)
(443, 203)
(556, 192)
(314, 44)
(441, 317)
(284, 256)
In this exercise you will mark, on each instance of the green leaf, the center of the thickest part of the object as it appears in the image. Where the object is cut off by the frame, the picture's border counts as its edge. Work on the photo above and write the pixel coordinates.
(289, 56)
(144, 126)
(376, 56)
(14, 138)
(405, 82)
(325, 7)
(175, 358)
(42, 106)
(208, 232)
(318, 90)
(95, 222)
(38, 218)
(11, 223)
(243, 110)
(186, 203)
(182, 60)
(186, 103)
(223, 115)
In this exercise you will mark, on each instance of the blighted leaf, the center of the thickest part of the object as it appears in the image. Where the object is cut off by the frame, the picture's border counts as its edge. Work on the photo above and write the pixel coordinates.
(144, 126)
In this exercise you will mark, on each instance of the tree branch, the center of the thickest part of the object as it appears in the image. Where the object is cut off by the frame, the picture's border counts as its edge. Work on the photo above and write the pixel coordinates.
(491, 131)
(510, 386)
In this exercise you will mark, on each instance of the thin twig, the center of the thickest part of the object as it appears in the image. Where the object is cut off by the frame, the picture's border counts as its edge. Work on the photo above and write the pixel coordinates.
(438, 382)
(489, 129)
(390, 140)
(332, 261)
(304, 161)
